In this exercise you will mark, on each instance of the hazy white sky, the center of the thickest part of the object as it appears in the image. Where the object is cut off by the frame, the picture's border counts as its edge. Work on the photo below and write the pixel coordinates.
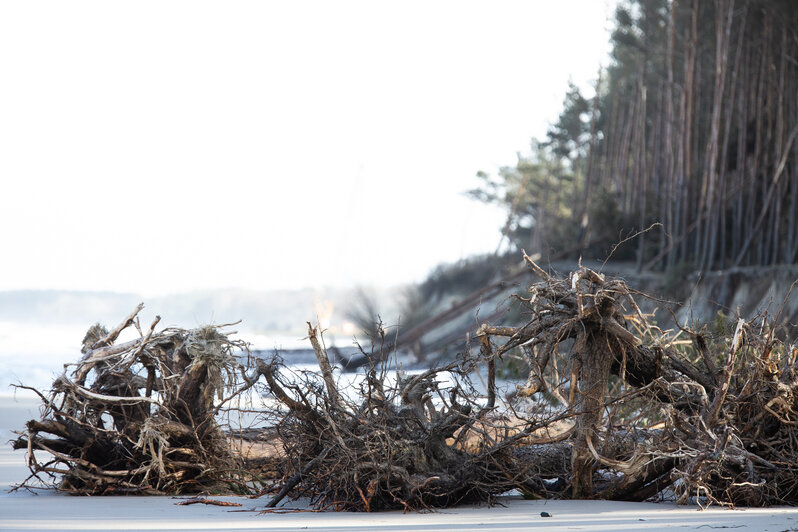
(159, 146)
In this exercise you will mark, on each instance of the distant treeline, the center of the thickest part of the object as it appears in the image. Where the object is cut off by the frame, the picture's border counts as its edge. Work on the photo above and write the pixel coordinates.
(694, 125)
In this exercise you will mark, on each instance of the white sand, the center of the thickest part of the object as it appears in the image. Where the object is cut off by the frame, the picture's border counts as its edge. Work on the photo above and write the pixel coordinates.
(52, 511)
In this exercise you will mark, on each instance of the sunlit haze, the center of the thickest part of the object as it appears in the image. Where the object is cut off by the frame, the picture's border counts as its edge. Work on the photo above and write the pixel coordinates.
(158, 147)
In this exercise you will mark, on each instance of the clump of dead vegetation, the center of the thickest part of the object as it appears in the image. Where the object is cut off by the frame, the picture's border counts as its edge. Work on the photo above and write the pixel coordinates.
(612, 408)
(139, 416)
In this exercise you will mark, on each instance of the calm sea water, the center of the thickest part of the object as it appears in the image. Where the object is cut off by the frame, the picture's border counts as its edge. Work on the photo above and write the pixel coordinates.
(34, 354)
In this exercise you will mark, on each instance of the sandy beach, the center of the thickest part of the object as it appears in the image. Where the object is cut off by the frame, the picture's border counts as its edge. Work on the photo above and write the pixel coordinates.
(47, 510)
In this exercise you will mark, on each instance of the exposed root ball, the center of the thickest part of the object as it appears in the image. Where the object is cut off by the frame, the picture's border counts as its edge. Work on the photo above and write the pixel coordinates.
(138, 417)
(381, 446)
(724, 404)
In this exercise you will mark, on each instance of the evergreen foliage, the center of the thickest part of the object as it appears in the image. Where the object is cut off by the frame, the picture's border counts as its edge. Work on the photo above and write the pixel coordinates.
(694, 125)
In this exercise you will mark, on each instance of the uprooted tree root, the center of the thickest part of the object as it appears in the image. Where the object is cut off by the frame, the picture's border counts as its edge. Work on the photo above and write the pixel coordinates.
(612, 408)
(139, 416)
(413, 441)
(707, 420)
(720, 413)
(398, 445)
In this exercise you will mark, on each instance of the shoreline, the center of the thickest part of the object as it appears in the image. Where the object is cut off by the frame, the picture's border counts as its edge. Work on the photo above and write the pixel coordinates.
(51, 510)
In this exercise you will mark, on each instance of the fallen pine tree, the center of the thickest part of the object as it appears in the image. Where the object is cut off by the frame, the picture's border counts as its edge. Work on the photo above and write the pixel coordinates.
(712, 420)
(612, 408)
